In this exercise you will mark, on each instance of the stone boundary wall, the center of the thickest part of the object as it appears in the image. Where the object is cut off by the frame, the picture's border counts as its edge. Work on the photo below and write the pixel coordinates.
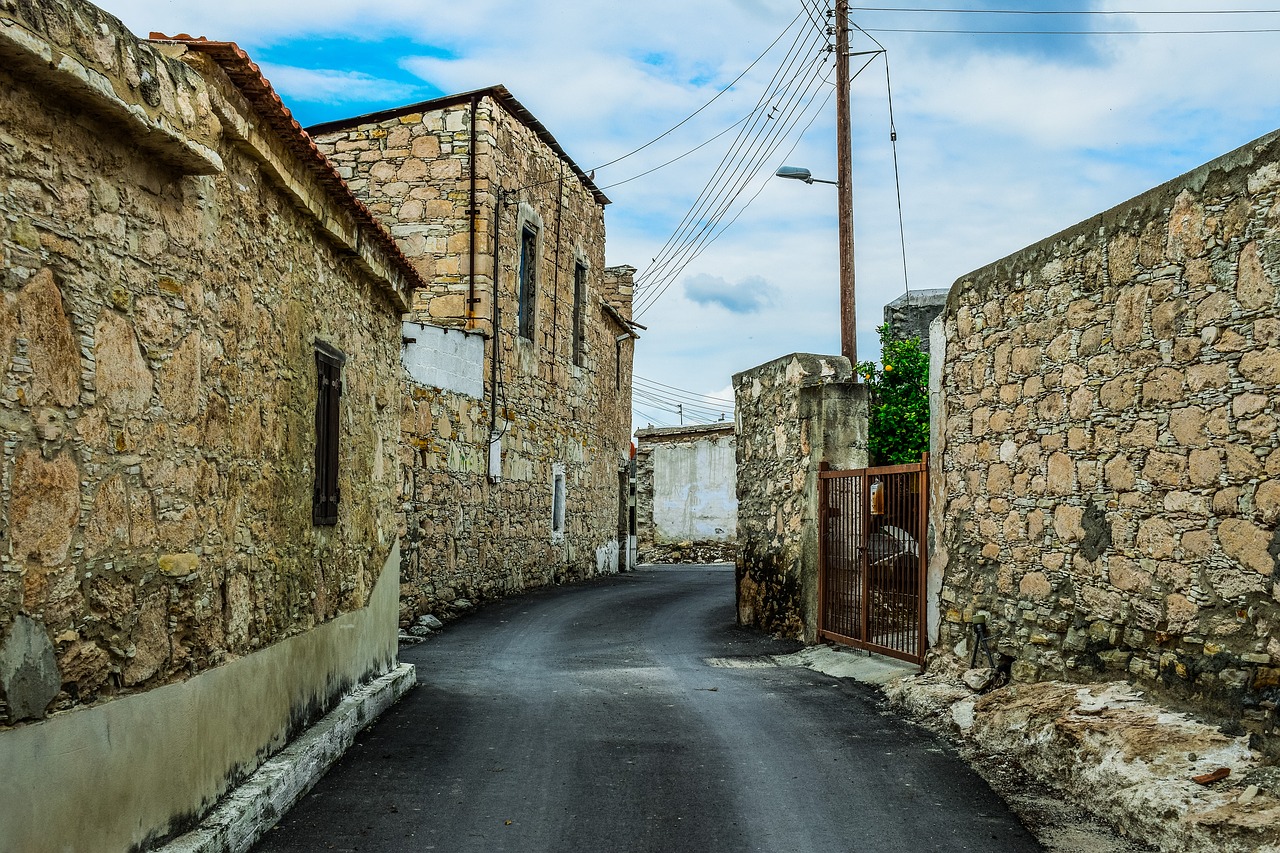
(686, 512)
(1109, 446)
(793, 414)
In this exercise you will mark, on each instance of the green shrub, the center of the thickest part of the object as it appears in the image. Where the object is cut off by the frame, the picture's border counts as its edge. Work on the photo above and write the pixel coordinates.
(899, 400)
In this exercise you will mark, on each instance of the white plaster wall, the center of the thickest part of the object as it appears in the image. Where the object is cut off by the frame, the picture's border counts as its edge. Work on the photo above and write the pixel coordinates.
(444, 358)
(695, 491)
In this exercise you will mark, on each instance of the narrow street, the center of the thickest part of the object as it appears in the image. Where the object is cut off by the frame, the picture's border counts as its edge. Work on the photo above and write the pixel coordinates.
(588, 719)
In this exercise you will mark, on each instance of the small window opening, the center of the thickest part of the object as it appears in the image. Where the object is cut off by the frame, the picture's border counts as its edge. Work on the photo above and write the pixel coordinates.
(579, 302)
(528, 280)
(557, 502)
(325, 496)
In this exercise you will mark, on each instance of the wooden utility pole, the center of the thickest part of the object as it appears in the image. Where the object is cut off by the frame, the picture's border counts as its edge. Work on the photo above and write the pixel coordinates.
(844, 190)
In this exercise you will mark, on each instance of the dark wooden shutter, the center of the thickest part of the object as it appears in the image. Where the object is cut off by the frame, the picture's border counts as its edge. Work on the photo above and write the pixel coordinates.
(324, 502)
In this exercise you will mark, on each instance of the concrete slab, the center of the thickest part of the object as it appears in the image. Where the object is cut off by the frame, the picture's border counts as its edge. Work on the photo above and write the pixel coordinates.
(840, 662)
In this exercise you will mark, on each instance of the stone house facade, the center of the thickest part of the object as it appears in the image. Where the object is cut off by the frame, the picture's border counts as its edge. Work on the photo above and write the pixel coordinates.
(686, 494)
(179, 270)
(1107, 461)
(515, 477)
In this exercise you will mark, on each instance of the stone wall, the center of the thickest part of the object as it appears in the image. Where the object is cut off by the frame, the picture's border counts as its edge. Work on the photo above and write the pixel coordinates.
(793, 414)
(686, 494)
(477, 524)
(1109, 446)
(165, 272)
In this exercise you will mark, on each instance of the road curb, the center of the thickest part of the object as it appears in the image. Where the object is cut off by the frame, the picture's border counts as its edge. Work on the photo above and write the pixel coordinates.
(254, 806)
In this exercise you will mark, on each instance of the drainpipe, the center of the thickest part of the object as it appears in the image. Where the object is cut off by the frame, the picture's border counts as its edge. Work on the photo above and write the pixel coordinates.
(493, 337)
(472, 214)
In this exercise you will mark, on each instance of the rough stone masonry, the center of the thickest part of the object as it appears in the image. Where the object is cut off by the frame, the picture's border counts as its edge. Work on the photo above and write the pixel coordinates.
(1109, 446)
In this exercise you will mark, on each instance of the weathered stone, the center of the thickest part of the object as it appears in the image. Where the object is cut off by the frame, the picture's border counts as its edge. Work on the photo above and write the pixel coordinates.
(29, 678)
(45, 507)
(1266, 501)
(123, 379)
(1247, 544)
(1253, 290)
(55, 358)
(1127, 323)
(1125, 575)
(1067, 523)
(1035, 585)
(150, 639)
(1119, 473)
(1262, 366)
(1060, 474)
(1156, 538)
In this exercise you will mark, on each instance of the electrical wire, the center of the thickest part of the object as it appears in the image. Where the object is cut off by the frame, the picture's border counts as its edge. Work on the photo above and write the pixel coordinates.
(1072, 32)
(732, 83)
(1066, 11)
(675, 159)
(683, 391)
(704, 223)
(793, 53)
(897, 182)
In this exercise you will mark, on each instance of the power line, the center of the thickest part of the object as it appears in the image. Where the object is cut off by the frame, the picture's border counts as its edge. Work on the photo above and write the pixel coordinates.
(1071, 32)
(1066, 11)
(682, 392)
(703, 220)
(681, 157)
(732, 83)
(711, 188)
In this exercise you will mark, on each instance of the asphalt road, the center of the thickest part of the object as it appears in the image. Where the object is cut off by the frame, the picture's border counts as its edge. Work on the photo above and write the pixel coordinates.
(587, 718)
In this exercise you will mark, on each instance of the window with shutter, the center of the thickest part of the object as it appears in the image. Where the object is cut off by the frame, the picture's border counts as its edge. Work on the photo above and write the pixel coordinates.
(324, 501)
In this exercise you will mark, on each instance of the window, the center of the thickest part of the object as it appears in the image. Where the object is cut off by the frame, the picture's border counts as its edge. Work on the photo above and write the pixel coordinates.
(324, 500)
(557, 501)
(528, 280)
(579, 302)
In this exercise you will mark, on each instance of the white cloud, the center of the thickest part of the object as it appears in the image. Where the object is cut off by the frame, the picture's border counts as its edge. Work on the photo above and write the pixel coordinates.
(331, 86)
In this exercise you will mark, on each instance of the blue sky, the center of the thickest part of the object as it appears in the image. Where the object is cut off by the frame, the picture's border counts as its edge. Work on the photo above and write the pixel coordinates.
(1002, 139)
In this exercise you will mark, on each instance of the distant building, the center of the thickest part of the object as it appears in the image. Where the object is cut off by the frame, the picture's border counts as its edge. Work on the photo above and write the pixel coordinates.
(515, 447)
(686, 493)
(910, 314)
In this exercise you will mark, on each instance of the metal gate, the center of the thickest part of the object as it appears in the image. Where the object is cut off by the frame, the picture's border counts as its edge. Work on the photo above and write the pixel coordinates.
(872, 529)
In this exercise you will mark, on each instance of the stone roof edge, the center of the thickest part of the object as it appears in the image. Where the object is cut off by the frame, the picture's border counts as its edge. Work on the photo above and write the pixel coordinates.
(499, 93)
(248, 78)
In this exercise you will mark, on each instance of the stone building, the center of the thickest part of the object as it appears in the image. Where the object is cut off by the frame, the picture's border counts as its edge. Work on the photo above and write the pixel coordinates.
(911, 313)
(200, 395)
(1107, 462)
(514, 475)
(686, 494)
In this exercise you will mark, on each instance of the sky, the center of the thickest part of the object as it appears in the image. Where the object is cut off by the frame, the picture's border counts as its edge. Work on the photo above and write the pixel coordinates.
(1002, 139)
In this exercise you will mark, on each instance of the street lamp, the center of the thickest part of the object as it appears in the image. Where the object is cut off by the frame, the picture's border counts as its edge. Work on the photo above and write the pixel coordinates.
(799, 173)
(848, 311)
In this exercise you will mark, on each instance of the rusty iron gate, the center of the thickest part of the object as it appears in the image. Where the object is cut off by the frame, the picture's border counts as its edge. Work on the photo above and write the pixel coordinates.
(872, 534)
